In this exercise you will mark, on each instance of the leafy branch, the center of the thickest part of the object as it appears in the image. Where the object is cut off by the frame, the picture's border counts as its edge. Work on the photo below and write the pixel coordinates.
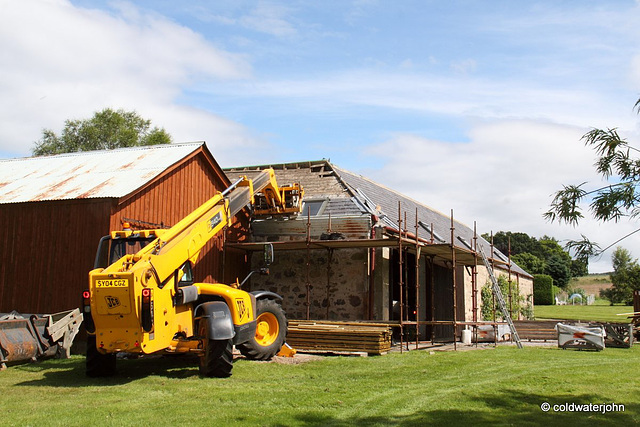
(612, 202)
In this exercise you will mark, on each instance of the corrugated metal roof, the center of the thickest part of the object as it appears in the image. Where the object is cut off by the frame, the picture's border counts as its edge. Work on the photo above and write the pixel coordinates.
(92, 174)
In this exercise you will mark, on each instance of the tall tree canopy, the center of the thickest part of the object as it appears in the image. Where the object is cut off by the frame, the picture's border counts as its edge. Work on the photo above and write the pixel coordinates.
(618, 162)
(625, 278)
(106, 130)
(539, 256)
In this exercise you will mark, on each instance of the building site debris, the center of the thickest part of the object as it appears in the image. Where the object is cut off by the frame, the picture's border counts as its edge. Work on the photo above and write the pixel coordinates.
(618, 335)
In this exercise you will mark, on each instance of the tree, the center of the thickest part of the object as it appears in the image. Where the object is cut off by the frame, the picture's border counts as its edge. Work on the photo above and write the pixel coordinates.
(530, 263)
(559, 269)
(619, 199)
(579, 267)
(106, 130)
(625, 278)
(520, 242)
(543, 256)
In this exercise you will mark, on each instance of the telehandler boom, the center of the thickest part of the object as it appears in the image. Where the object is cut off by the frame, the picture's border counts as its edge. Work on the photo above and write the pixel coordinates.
(142, 299)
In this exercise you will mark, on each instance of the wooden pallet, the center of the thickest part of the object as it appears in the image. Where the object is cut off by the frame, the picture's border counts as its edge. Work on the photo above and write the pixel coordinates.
(338, 336)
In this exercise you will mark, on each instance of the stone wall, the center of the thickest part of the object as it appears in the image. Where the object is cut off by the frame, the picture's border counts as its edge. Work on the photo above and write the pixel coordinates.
(339, 283)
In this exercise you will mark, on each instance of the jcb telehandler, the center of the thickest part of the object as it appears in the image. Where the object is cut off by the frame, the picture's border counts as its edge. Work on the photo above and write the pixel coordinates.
(142, 299)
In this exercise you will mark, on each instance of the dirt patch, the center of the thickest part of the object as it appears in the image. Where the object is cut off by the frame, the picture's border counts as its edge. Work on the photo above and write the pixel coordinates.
(298, 359)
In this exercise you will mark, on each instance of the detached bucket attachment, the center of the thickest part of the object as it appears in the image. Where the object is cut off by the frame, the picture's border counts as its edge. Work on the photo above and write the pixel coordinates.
(30, 337)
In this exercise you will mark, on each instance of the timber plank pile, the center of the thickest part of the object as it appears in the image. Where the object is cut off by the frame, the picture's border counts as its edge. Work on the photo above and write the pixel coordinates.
(309, 335)
(537, 330)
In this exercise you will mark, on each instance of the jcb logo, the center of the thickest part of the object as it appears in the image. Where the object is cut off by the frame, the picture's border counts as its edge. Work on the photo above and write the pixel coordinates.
(213, 222)
(242, 309)
(112, 302)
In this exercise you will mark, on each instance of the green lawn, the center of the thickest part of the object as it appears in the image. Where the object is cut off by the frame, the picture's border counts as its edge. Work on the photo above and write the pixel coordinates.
(598, 312)
(503, 386)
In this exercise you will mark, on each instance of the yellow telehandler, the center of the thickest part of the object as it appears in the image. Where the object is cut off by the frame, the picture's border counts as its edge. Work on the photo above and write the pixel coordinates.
(142, 299)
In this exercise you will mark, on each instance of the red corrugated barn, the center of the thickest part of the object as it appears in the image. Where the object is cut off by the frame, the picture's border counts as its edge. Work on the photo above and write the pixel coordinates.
(55, 209)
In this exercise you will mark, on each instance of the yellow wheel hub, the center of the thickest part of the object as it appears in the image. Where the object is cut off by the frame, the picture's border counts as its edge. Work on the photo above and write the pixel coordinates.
(267, 329)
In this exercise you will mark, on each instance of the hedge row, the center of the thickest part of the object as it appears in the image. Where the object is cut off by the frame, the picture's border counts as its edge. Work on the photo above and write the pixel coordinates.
(543, 289)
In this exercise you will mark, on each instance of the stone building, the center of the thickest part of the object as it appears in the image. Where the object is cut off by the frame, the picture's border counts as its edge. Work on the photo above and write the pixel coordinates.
(361, 251)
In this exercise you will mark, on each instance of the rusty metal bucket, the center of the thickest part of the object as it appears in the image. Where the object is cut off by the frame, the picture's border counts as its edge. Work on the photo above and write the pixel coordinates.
(29, 337)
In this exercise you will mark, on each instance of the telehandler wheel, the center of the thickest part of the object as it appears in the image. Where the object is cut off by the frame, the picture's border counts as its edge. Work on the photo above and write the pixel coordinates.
(217, 359)
(98, 364)
(271, 330)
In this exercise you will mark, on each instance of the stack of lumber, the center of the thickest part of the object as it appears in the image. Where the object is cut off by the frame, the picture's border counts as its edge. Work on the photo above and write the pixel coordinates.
(372, 338)
(537, 330)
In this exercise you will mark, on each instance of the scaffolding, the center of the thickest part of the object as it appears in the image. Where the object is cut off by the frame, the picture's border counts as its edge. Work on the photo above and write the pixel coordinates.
(405, 242)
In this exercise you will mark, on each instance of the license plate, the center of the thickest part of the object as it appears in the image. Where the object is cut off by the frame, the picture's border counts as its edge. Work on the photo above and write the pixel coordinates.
(112, 283)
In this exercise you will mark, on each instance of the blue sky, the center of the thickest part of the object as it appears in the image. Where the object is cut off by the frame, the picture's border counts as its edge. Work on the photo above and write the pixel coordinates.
(466, 105)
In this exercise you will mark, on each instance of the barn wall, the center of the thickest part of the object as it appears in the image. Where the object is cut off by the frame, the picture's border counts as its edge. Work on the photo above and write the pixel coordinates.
(46, 252)
(175, 195)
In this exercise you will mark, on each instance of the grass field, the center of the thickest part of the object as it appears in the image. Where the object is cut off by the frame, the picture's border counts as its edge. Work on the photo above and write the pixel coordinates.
(503, 386)
(599, 312)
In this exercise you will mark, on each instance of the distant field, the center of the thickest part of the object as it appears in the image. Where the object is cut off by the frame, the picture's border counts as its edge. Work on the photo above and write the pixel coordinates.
(591, 283)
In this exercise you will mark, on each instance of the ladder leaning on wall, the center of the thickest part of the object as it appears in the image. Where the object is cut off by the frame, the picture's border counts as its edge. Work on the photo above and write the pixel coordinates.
(498, 293)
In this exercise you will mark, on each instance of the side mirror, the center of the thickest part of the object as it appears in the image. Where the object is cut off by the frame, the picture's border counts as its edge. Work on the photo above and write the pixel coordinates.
(268, 254)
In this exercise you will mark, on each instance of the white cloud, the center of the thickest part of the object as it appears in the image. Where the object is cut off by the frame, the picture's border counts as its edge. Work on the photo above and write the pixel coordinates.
(269, 18)
(460, 96)
(465, 66)
(503, 178)
(61, 62)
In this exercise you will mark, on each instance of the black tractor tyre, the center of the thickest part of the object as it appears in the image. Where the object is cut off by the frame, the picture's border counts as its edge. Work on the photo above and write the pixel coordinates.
(271, 331)
(217, 358)
(98, 364)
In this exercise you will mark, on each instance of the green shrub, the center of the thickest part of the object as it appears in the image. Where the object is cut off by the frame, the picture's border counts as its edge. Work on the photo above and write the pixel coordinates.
(518, 305)
(543, 292)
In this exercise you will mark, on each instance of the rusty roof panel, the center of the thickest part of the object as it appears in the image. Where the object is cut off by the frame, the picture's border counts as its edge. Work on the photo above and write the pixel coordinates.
(93, 174)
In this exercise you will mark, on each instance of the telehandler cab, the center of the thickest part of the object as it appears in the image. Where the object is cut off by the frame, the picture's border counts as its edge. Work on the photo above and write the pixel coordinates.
(142, 299)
